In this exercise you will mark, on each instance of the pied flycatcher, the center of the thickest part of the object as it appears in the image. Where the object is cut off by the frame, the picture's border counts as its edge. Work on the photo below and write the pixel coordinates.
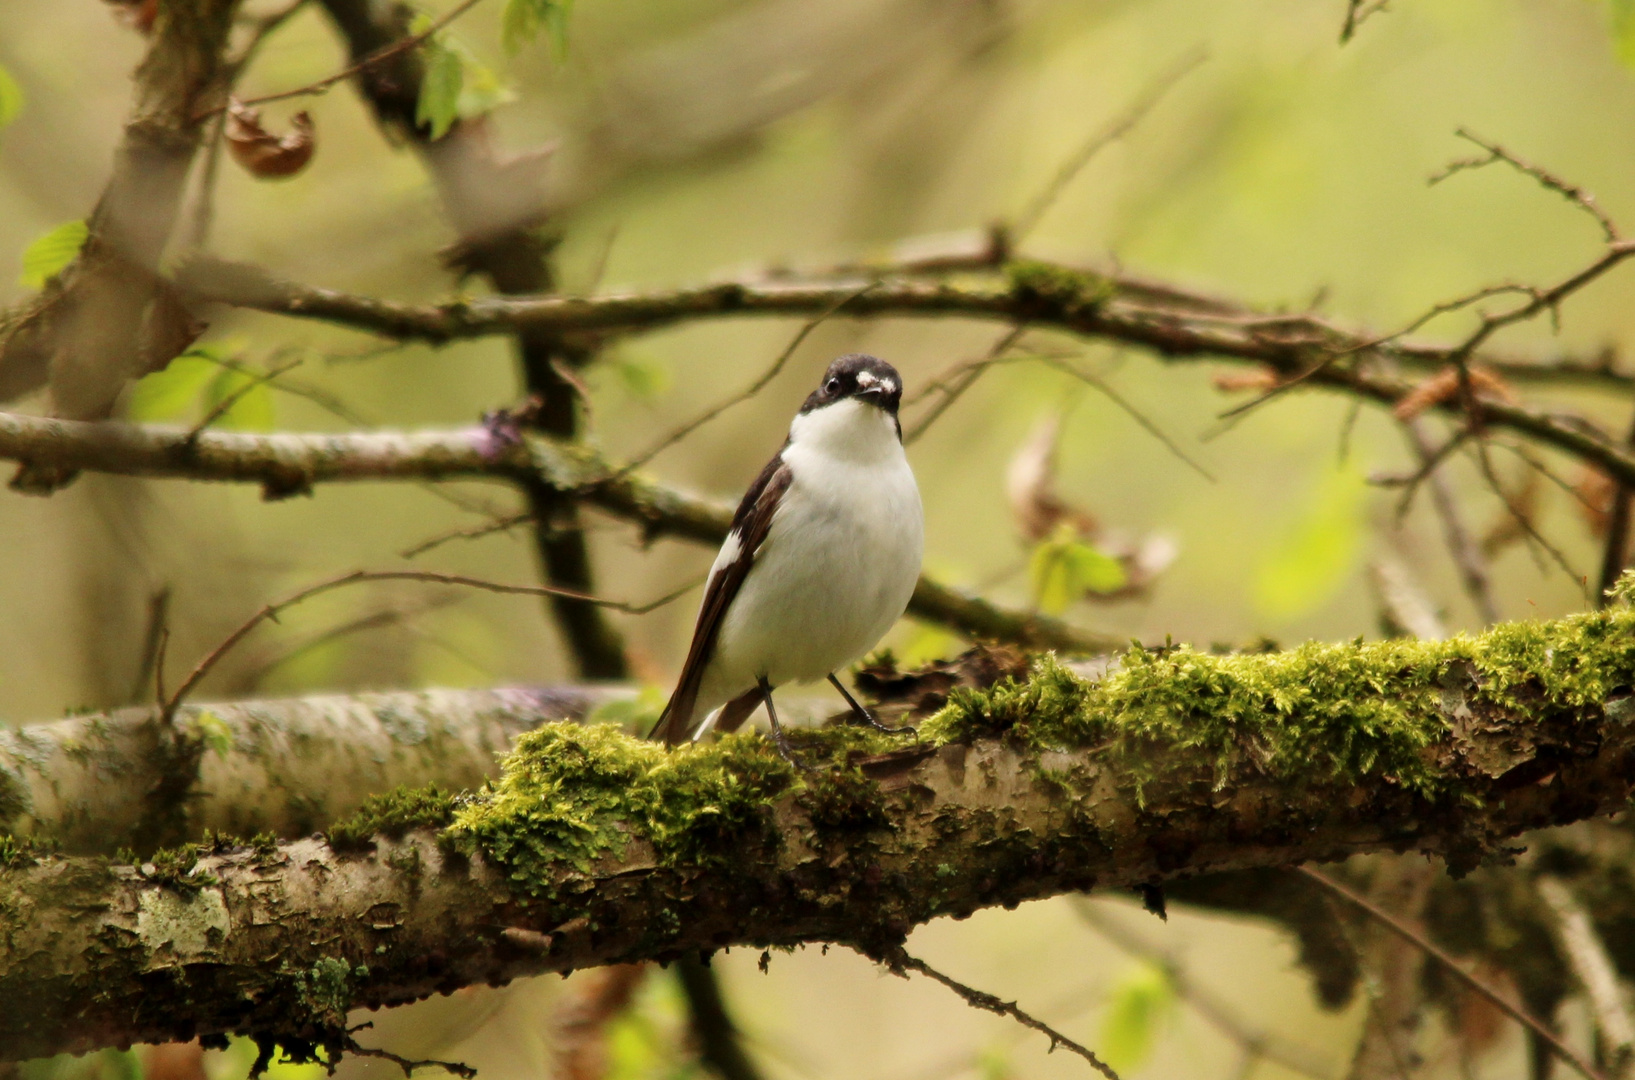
(821, 560)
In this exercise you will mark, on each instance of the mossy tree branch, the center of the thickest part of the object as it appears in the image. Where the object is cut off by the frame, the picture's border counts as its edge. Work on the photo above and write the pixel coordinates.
(596, 848)
(285, 464)
(105, 781)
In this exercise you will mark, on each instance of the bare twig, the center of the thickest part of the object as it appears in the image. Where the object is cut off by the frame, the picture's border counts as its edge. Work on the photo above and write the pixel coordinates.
(1615, 553)
(376, 57)
(1356, 13)
(1134, 413)
(1571, 192)
(1524, 520)
(409, 1065)
(1121, 125)
(1467, 554)
(752, 389)
(225, 405)
(1404, 607)
(1587, 956)
(498, 525)
(898, 959)
(1457, 970)
(1220, 1013)
(973, 372)
(272, 611)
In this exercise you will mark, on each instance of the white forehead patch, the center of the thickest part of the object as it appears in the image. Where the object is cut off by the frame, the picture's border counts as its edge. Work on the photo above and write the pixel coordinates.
(866, 379)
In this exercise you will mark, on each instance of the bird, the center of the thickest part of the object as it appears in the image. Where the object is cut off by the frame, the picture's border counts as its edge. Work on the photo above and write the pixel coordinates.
(822, 557)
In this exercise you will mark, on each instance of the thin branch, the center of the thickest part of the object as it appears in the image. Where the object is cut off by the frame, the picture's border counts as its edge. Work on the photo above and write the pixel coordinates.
(973, 372)
(1134, 413)
(1574, 194)
(1457, 970)
(1036, 207)
(1356, 13)
(409, 1065)
(1587, 956)
(498, 525)
(898, 959)
(225, 405)
(1522, 518)
(1219, 1013)
(1467, 554)
(376, 57)
(1616, 551)
(749, 391)
(273, 610)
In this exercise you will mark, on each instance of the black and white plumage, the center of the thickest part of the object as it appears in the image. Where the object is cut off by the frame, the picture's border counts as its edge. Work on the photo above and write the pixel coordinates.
(822, 558)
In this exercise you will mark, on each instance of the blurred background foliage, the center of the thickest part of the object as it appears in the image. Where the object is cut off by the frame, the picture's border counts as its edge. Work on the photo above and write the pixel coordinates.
(694, 139)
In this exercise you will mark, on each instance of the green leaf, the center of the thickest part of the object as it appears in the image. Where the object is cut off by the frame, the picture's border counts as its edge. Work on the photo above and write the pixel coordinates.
(1140, 1002)
(253, 409)
(481, 89)
(644, 376)
(215, 732)
(174, 392)
(440, 84)
(11, 98)
(523, 19)
(50, 255)
(1063, 568)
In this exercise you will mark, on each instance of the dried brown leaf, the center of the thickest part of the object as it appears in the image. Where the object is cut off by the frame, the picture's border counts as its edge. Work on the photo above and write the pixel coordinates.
(136, 14)
(1030, 486)
(263, 154)
(1444, 386)
(1258, 379)
(1596, 491)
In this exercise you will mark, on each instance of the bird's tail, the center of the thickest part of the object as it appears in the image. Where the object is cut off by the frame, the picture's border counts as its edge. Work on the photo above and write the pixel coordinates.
(672, 725)
(676, 725)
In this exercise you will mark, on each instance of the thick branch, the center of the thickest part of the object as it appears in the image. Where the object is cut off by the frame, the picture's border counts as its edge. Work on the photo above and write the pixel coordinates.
(1104, 308)
(289, 463)
(596, 848)
(96, 783)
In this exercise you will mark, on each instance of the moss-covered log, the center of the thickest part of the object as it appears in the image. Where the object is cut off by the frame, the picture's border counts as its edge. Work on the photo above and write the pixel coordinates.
(100, 782)
(595, 848)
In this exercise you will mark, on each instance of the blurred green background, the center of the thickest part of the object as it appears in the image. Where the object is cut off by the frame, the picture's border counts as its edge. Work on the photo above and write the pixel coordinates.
(697, 139)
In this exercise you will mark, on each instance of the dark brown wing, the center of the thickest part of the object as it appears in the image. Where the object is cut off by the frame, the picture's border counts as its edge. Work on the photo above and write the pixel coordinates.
(749, 526)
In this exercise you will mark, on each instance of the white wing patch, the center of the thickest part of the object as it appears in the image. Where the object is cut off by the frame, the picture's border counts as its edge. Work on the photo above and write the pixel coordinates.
(731, 548)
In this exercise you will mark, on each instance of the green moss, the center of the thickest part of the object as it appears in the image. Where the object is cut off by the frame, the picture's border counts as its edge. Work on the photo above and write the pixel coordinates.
(393, 813)
(326, 988)
(18, 852)
(174, 867)
(571, 794)
(1313, 713)
(1058, 287)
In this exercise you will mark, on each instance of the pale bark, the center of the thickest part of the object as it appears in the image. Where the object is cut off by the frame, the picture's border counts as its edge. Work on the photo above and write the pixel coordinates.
(285, 464)
(100, 782)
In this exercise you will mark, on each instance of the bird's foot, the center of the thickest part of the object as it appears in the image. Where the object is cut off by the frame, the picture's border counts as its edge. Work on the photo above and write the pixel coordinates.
(787, 752)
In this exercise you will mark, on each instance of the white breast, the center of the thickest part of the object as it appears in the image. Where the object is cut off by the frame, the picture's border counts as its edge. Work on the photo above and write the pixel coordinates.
(839, 563)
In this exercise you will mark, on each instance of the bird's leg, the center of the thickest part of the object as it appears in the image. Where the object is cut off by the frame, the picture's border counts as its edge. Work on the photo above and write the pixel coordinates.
(778, 736)
(867, 717)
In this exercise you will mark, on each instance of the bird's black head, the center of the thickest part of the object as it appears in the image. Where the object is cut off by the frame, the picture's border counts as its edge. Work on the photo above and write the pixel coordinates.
(860, 376)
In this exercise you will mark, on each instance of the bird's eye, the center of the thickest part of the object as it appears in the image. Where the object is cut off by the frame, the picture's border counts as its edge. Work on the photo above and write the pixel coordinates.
(832, 386)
